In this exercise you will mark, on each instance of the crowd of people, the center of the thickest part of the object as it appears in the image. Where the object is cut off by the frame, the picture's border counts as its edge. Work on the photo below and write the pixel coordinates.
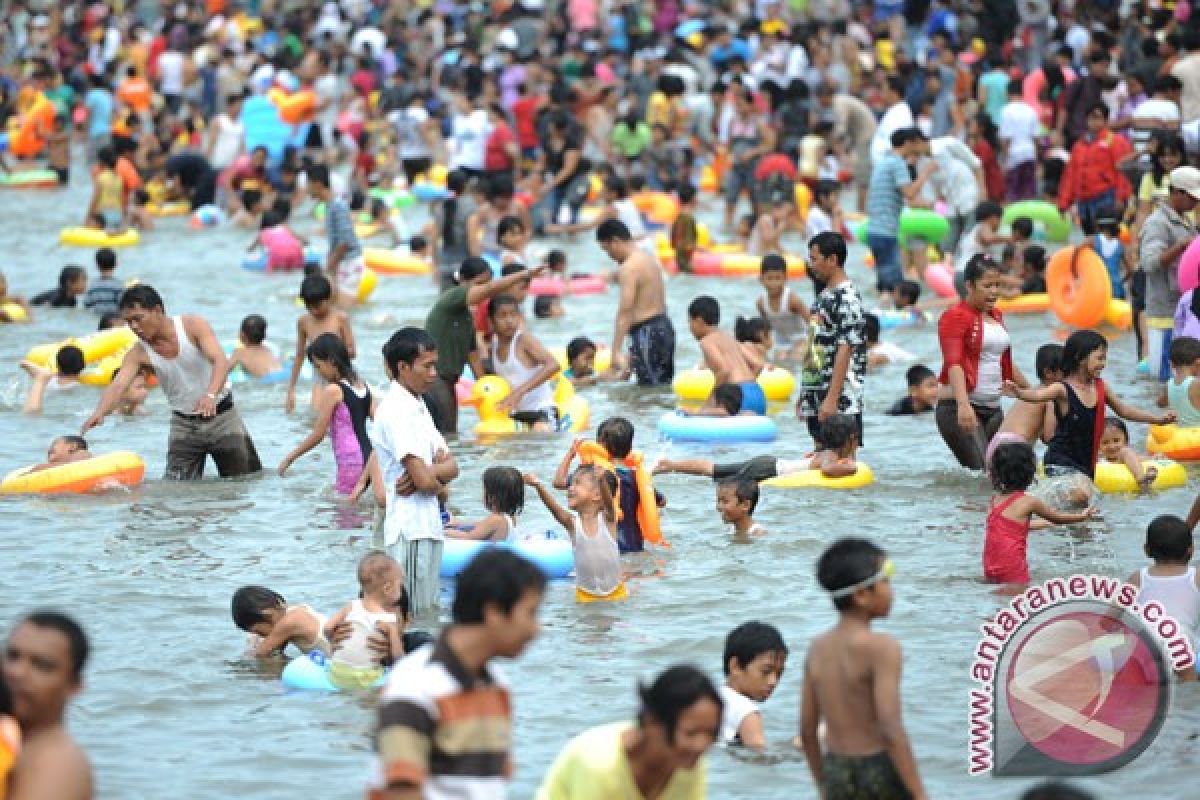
(532, 122)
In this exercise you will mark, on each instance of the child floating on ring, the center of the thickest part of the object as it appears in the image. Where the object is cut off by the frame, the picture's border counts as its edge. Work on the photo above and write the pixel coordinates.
(504, 498)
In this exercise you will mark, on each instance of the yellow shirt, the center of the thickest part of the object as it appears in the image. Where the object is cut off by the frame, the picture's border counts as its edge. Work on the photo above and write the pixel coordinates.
(593, 766)
(110, 191)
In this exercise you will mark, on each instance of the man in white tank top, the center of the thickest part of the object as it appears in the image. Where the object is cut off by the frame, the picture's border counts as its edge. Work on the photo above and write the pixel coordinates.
(191, 368)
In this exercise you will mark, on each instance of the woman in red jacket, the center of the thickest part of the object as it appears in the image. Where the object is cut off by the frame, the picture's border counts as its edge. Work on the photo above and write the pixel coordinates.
(976, 360)
(1093, 182)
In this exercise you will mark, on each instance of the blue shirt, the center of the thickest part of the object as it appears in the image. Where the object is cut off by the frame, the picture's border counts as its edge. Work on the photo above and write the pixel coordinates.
(719, 56)
(885, 201)
(99, 104)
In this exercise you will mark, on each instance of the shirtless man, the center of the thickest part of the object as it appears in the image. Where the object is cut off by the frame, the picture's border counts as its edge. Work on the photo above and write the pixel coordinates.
(191, 368)
(1028, 422)
(641, 312)
(852, 683)
(43, 667)
(723, 355)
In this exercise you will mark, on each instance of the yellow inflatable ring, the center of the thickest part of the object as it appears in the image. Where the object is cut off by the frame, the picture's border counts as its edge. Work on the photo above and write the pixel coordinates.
(1079, 287)
(95, 346)
(1117, 479)
(813, 479)
(1174, 442)
(1024, 303)
(602, 363)
(102, 372)
(695, 385)
(123, 468)
(174, 209)
(366, 286)
(93, 237)
(365, 230)
(389, 262)
(15, 311)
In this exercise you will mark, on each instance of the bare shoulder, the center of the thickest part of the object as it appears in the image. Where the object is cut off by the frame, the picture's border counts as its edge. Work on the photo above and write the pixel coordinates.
(881, 645)
(52, 765)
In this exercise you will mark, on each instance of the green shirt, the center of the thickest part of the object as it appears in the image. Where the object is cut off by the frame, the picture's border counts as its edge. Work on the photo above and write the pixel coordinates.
(449, 323)
(631, 142)
(63, 97)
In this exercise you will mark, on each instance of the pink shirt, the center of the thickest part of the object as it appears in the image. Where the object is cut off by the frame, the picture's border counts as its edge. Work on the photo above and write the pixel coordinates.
(284, 251)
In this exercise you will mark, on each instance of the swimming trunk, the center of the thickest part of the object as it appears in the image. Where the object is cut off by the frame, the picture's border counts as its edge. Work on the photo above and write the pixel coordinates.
(531, 418)
(349, 275)
(584, 596)
(753, 397)
(652, 351)
(352, 678)
(862, 778)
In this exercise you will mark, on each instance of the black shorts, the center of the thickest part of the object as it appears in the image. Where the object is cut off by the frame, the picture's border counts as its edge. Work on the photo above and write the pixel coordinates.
(314, 139)
(1137, 288)
(63, 173)
(652, 351)
(531, 418)
(414, 167)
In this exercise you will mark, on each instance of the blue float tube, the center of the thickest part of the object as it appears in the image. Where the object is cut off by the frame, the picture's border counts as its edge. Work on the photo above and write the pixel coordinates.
(551, 552)
(309, 674)
(265, 128)
(427, 192)
(256, 261)
(679, 427)
(904, 318)
(208, 216)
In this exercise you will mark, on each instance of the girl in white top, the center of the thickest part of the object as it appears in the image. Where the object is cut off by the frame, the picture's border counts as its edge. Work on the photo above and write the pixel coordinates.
(504, 498)
(1171, 581)
(590, 519)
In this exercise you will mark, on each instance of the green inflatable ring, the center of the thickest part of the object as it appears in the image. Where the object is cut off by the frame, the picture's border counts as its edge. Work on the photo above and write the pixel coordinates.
(396, 198)
(860, 231)
(1058, 227)
(921, 223)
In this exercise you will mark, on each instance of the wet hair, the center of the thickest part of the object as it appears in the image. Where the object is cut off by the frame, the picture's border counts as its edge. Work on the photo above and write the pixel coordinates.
(68, 275)
(825, 189)
(1079, 346)
(830, 244)
(1035, 258)
(705, 309)
(615, 435)
(1098, 106)
(1013, 467)
(1048, 359)
(1185, 351)
(1168, 538)
(837, 431)
(908, 292)
(847, 562)
(616, 184)
(502, 301)
(314, 289)
(109, 319)
(254, 329)
(471, 268)
(405, 345)
(6, 701)
(106, 259)
(374, 566)
(1056, 790)
(78, 444)
(675, 690)
(977, 266)
(543, 306)
(330, 347)
(729, 397)
(1023, 227)
(606, 483)
(1116, 424)
(270, 219)
(503, 490)
(77, 641)
(417, 243)
(69, 360)
(613, 230)
(871, 328)
(751, 329)
(988, 210)
(509, 225)
(748, 641)
(744, 491)
(772, 262)
(556, 259)
(141, 296)
(918, 374)
(496, 577)
(250, 604)
(578, 346)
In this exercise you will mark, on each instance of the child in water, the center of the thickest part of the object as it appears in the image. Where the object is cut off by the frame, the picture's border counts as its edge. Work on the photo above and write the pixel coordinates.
(1014, 467)
(865, 744)
(581, 362)
(322, 317)
(1183, 390)
(1115, 449)
(684, 231)
(782, 307)
(1171, 581)
(382, 606)
(1028, 422)
(284, 247)
(274, 624)
(754, 658)
(519, 358)
(754, 337)
(504, 498)
(722, 354)
(70, 365)
(343, 406)
(922, 392)
(252, 355)
(736, 501)
(590, 519)
(64, 450)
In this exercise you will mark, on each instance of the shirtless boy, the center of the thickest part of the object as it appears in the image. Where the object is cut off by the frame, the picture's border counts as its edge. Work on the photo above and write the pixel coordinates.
(1028, 422)
(252, 355)
(323, 317)
(852, 684)
(723, 355)
(641, 311)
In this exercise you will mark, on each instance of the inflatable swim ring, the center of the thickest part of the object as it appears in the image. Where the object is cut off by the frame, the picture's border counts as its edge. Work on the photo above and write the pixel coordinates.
(396, 198)
(15, 311)
(739, 265)
(1117, 479)
(1119, 314)
(658, 207)
(1174, 442)
(940, 277)
(207, 217)
(177, 208)
(366, 286)
(294, 108)
(304, 673)
(1079, 288)
(574, 411)
(391, 262)
(890, 318)
(921, 223)
(93, 237)
(265, 128)
(678, 427)
(121, 468)
(695, 385)
(578, 284)
(257, 261)
(29, 179)
(1024, 303)
(1056, 226)
(551, 551)
(813, 479)
(428, 193)
(602, 362)
(95, 347)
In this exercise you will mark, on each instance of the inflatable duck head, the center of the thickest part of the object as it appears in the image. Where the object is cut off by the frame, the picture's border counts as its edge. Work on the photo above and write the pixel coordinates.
(486, 395)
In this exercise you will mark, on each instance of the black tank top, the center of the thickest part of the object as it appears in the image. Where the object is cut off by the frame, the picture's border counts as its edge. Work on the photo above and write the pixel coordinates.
(360, 412)
(1074, 435)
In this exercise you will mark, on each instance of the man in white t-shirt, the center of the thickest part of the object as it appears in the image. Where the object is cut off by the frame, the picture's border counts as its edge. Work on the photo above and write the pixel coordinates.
(897, 117)
(1019, 128)
(415, 465)
(468, 137)
(1159, 112)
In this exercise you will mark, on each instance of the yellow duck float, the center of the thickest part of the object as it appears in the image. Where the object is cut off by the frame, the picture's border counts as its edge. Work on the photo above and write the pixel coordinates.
(1174, 442)
(574, 412)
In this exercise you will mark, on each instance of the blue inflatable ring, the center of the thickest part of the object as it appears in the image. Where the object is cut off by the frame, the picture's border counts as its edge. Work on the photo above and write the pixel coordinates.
(306, 674)
(257, 260)
(552, 553)
(427, 192)
(678, 427)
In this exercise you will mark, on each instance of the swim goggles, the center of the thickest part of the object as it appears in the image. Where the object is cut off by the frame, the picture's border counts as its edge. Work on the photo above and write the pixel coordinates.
(885, 573)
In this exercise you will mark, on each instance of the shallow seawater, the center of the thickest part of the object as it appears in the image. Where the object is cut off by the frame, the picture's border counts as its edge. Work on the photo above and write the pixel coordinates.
(170, 700)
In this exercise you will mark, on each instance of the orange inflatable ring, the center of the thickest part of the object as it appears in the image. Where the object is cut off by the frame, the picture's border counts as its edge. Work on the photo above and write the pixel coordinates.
(296, 108)
(26, 143)
(658, 207)
(1024, 303)
(1079, 288)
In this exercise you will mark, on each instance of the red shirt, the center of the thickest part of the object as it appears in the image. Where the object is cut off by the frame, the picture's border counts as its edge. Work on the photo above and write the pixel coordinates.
(993, 176)
(525, 111)
(495, 158)
(960, 334)
(363, 82)
(1092, 170)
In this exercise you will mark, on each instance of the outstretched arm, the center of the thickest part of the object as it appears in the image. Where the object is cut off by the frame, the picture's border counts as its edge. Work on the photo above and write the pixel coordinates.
(562, 474)
(560, 514)
(1136, 414)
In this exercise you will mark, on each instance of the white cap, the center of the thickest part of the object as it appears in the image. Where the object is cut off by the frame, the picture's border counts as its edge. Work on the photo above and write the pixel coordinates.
(1186, 179)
